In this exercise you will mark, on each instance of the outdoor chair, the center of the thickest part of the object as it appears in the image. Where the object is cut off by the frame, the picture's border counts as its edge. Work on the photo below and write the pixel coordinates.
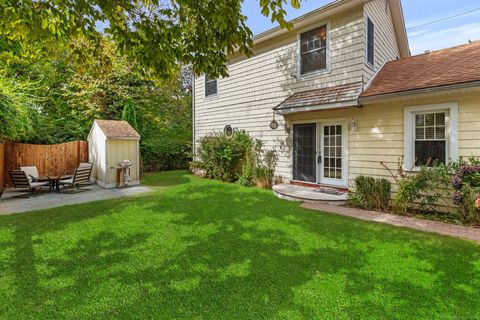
(32, 174)
(81, 177)
(22, 182)
(85, 164)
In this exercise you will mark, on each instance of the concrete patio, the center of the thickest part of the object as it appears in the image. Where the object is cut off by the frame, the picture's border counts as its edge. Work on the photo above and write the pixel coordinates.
(309, 194)
(10, 203)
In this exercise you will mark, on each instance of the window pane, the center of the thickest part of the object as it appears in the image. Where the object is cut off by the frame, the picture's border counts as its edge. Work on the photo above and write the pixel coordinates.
(430, 133)
(315, 60)
(425, 150)
(440, 133)
(420, 133)
(440, 119)
(419, 120)
(430, 119)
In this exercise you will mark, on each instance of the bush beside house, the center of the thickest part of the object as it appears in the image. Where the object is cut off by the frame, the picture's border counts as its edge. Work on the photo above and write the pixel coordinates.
(450, 191)
(238, 158)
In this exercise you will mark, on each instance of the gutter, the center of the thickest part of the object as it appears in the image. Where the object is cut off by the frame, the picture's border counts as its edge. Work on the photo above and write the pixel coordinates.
(193, 117)
(437, 89)
(327, 106)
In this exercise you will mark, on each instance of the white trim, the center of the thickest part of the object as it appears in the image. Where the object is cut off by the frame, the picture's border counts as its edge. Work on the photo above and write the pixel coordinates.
(315, 73)
(138, 160)
(451, 123)
(328, 181)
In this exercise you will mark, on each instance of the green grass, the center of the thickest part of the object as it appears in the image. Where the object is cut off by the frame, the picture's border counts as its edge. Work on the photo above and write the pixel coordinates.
(207, 250)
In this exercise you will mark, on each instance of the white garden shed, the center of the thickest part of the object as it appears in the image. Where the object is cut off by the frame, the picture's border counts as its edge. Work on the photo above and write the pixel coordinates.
(109, 143)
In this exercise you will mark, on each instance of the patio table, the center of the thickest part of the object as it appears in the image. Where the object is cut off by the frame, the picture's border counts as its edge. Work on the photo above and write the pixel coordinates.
(55, 181)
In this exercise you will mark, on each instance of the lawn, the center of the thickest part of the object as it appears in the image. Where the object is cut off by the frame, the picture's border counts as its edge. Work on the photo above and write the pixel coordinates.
(207, 250)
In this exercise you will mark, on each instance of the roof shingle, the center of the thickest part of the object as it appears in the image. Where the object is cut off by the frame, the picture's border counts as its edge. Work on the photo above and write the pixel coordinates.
(117, 129)
(318, 97)
(457, 65)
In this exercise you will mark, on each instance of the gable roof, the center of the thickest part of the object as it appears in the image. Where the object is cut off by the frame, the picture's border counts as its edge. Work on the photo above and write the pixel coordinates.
(117, 129)
(336, 6)
(452, 66)
(325, 98)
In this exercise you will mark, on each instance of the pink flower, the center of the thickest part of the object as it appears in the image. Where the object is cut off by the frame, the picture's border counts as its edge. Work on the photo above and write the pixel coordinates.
(477, 203)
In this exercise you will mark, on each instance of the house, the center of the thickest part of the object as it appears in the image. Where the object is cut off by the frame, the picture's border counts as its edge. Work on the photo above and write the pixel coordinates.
(347, 96)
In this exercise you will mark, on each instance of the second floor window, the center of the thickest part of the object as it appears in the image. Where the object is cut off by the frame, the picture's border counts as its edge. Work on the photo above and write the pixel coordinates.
(313, 50)
(370, 42)
(210, 87)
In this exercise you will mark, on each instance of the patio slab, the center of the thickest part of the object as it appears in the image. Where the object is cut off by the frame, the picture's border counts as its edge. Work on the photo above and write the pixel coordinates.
(10, 204)
(308, 194)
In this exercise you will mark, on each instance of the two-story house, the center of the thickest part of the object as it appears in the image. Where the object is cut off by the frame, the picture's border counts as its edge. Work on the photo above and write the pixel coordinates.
(330, 86)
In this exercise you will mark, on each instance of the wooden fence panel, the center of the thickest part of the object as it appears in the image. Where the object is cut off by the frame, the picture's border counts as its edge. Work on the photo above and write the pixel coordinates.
(2, 166)
(53, 159)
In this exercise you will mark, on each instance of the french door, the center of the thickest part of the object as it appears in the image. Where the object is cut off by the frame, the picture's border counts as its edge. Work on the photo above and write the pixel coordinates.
(304, 152)
(319, 153)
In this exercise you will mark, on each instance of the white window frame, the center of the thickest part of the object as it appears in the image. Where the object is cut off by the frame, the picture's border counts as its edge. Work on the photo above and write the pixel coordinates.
(299, 51)
(451, 131)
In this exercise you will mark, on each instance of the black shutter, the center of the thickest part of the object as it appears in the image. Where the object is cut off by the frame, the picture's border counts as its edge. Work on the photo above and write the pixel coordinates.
(370, 42)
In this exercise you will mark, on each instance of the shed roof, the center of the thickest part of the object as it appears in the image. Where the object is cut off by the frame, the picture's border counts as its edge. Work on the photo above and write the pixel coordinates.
(117, 129)
(324, 96)
(451, 66)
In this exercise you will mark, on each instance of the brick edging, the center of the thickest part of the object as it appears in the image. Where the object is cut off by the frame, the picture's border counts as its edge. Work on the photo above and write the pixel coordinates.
(431, 226)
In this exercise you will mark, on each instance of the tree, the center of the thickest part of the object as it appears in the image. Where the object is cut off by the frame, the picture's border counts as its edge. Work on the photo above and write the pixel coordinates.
(159, 36)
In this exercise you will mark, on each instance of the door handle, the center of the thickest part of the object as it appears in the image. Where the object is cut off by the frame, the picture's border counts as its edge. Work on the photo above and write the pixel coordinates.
(319, 160)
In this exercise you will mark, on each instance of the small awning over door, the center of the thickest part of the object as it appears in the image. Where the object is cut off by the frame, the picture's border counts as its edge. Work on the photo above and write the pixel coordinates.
(341, 96)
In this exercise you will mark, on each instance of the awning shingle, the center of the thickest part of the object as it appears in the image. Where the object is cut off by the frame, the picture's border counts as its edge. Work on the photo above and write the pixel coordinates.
(325, 96)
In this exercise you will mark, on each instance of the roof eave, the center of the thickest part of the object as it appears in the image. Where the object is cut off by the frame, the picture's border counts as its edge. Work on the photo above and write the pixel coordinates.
(400, 94)
(308, 18)
(399, 26)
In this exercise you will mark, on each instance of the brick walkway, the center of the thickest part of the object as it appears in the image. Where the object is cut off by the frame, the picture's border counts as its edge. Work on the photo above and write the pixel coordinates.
(400, 221)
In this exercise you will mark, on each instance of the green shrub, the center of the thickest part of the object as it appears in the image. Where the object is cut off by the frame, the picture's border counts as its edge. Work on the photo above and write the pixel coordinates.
(239, 159)
(370, 193)
(222, 157)
(265, 170)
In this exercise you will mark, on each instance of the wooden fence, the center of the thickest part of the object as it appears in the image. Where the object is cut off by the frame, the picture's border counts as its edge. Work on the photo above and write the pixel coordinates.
(49, 159)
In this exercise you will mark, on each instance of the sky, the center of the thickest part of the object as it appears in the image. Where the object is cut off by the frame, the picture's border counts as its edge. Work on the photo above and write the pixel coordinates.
(435, 36)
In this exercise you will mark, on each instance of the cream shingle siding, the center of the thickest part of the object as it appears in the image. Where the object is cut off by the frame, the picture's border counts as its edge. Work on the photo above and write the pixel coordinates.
(386, 47)
(379, 134)
(256, 85)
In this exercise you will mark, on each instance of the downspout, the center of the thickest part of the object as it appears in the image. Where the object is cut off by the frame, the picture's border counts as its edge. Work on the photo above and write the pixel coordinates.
(193, 118)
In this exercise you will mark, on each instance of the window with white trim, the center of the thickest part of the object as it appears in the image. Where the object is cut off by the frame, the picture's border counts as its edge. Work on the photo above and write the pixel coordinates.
(210, 87)
(431, 134)
(313, 50)
(430, 138)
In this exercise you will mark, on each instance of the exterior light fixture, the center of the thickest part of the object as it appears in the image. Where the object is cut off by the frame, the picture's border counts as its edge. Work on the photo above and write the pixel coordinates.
(274, 123)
